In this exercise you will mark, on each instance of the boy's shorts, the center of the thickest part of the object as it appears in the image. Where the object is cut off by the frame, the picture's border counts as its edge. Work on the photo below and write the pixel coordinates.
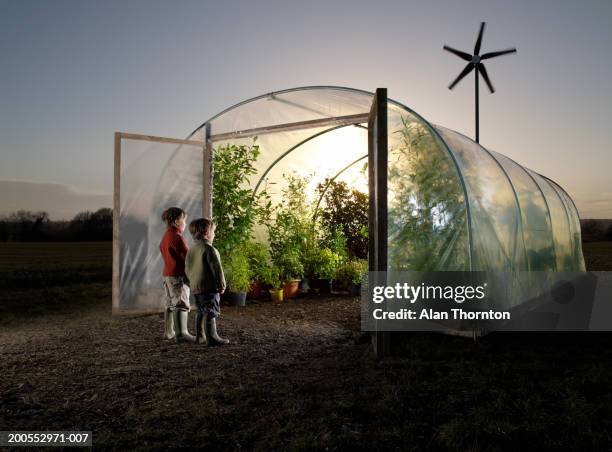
(176, 293)
(208, 303)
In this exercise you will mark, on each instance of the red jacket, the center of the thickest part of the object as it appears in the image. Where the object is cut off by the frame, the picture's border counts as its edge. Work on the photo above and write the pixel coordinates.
(174, 249)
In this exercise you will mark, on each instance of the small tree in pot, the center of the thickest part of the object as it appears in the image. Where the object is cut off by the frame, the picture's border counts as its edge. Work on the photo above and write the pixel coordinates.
(271, 280)
(238, 278)
(259, 259)
(324, 263)
(291, 271)
(350, 274)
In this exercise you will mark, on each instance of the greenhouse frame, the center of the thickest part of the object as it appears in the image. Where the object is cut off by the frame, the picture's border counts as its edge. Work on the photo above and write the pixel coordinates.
(438, 200)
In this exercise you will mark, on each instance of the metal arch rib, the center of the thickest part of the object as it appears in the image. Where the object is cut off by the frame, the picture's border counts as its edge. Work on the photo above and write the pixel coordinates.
(292, 126)
(437, 134)
(566, 207)
(516, 198)
(564, 191)
(552, 237)
(284, 91)
(307, 88)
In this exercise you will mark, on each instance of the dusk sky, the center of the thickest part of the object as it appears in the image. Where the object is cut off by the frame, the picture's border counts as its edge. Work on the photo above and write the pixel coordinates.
(74, 72)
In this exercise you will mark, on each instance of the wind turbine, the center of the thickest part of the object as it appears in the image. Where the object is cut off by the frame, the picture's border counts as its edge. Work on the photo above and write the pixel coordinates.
(475, 61)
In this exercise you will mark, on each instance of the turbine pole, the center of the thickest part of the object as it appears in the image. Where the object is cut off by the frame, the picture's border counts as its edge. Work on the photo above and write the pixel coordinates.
(476, 74)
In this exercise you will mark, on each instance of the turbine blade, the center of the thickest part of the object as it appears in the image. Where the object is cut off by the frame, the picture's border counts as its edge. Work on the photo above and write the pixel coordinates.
(466, 70)
(479, 40)
(498, 53)
(483, 71)
(459, 53)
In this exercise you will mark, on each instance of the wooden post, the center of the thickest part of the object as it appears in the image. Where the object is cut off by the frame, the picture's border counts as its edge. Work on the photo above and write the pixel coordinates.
(377, 182)
(116, 236)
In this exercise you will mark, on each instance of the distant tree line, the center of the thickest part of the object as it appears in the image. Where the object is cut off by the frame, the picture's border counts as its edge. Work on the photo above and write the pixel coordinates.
(27, 226)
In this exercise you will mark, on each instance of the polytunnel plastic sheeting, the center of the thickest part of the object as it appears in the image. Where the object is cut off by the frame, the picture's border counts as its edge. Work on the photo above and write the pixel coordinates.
(290, 106)
(574, 224)
(560, 226)
(153, 177)
(427, 215)
(495, 219)
(536, 227)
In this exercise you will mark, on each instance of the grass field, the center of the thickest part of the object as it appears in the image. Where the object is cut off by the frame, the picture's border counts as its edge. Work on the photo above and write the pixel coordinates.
(598, 256)
(16, 256)
(25, 266)
(298, 376)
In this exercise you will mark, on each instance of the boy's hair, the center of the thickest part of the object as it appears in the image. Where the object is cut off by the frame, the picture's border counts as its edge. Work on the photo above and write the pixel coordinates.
(172, 214)
(199, 227)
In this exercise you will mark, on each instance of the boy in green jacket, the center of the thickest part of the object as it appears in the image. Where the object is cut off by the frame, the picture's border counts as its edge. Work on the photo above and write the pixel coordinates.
(206, 279)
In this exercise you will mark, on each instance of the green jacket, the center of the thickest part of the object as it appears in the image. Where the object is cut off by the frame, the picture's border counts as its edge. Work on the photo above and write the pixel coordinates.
(203, 268)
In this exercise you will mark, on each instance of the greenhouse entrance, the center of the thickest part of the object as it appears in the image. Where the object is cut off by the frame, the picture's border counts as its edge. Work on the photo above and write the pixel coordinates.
(152, 173)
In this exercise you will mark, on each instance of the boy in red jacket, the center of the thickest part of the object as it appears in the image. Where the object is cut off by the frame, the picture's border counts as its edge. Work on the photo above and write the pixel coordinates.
(173, 248)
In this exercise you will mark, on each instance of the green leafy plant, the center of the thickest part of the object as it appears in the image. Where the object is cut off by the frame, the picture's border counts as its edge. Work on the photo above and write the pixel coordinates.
(427, 227)
(336, 241)
(258, 257)
(324, 263)
(291, 233)
(238, 273)
(236, 208)
(344, 214)
(270, 277)
(290, 265)
(352, 271)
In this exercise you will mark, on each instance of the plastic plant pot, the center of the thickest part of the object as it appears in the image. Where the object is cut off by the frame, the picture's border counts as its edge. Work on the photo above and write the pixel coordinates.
(277, 295)
(235, 298)
(325, 286)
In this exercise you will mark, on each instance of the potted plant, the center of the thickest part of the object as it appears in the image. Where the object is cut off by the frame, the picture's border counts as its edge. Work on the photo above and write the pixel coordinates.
(258, 257)
(310, 258)
(290, 231)
(271, 279)
(324, 268)
(291, 271)
(238, 279)
(351, 273)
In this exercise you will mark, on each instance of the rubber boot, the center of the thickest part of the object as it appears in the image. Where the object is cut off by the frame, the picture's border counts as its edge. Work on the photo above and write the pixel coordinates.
(180, 327)
(211, 333)
(168, 325)
(200, 329)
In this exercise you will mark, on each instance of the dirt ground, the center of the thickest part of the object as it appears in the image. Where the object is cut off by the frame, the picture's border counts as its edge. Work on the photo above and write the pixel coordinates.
(298, 376)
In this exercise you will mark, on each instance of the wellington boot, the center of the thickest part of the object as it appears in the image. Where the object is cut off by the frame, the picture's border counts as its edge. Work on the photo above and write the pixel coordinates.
(168, 325)
(180, 327)
(211, 333)
(200, 329)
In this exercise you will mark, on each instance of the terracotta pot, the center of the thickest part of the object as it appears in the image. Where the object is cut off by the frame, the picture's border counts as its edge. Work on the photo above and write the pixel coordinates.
(256, 290)
(291, 289)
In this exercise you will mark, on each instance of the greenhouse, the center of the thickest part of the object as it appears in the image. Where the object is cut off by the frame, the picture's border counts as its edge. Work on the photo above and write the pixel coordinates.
(442, 201)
